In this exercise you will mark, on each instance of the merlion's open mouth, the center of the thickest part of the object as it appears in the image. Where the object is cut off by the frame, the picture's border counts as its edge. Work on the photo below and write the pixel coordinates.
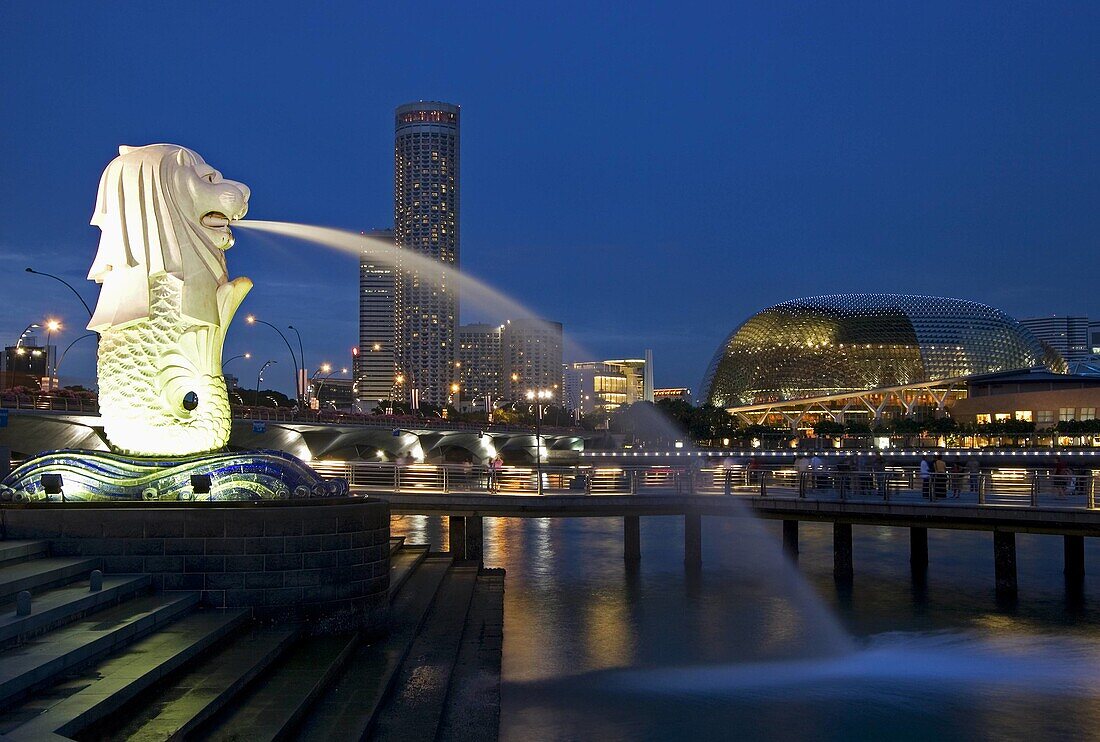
(215, 220)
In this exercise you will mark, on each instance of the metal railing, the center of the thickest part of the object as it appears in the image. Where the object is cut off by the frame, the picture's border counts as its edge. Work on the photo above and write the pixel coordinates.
(990, 487)
(49, 402)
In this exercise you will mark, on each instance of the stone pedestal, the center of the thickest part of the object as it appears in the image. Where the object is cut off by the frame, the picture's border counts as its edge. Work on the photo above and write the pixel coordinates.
(790, 538)
(456, 527)
(323, 563)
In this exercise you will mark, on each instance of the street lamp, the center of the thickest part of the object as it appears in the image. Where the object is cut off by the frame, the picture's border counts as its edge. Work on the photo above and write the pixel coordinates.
(537, 396)
(57, 366)
(246, 356)
(301, 353)
(67, 284)
(52, 326)
(321, 385)
(252, 319)
(260, 377)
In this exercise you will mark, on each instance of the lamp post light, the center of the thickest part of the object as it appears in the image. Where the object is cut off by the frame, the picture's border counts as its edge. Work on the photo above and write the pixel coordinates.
(246, 356)
(67, 284)
(252, 319)
(321, 385)
(52, 326)
(324, 368)
(537, 396)
(260, 377)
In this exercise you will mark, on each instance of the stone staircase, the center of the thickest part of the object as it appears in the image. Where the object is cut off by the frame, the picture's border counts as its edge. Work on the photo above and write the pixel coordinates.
(125, 662)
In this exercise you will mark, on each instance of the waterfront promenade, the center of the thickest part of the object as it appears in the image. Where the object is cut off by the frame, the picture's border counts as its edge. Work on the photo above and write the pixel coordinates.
(1003, 501)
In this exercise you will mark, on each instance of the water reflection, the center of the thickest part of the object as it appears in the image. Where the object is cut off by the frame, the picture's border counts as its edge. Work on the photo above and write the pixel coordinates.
(595, 648)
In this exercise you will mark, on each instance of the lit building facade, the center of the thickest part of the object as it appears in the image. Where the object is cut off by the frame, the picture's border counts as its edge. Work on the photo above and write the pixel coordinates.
(426, 223)
(1069, 336)
(374, 365)
(592, 386)
(850, 343)
(678, 392)
(532, 353)
(28, 364)
(480, 362)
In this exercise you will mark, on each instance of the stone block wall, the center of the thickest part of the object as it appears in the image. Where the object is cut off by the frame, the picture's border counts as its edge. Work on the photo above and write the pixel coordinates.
(324, 562)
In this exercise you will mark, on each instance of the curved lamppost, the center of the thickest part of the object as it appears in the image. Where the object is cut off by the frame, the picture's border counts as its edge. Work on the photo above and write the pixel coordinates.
(251, 319)
(52, 326)
(67, 285)
(326, 378)
(57, 366)
(301, 355)
(242, 355)
(260, 377)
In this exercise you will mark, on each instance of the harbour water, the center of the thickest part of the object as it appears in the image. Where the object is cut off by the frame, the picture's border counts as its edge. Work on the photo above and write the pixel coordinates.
(749, 648)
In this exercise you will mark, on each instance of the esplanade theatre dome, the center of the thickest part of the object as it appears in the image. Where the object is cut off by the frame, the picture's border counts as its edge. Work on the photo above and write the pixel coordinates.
(853, 342)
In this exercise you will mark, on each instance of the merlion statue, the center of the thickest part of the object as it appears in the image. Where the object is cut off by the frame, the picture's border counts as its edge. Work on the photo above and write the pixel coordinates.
(166, 300)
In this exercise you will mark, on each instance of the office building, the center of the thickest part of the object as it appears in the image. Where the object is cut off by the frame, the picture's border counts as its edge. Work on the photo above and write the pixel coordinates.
(1070, 336)
(532, 353)
(426, 228)
(606, 385)
(29, 365)
(374, 364)
(480, 363)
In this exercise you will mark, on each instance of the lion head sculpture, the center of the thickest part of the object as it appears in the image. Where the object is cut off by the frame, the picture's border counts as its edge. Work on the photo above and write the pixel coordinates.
(166, 300)
(162, 210)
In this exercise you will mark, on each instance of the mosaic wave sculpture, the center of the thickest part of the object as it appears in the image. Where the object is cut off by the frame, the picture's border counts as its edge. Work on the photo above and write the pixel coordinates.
(100, 476)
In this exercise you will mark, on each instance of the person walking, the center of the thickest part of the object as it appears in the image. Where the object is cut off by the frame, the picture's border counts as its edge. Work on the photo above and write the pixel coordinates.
(925, 477)
(817, 466)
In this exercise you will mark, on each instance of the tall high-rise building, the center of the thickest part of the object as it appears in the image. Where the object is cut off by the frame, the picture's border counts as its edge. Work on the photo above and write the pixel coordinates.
(425, 217)
(375, 367)
(480, 362)
(1067, 335)
(531, 350)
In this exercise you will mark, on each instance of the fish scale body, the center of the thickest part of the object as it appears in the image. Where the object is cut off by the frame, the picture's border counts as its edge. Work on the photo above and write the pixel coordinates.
(146, 369)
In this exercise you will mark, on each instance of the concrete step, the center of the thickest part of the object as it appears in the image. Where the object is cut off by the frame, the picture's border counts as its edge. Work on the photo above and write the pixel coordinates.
(348, 708)
(106, 689)
(396, 542)
(182, 706)
(64, 605)
(403, 564)
(472, 709)
(13, 552)
(40, 660)
(40, 574)
(277, 701)
(414, 709)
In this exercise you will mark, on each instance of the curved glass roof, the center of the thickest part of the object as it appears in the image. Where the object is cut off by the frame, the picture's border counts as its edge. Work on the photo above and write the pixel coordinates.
(852, 342)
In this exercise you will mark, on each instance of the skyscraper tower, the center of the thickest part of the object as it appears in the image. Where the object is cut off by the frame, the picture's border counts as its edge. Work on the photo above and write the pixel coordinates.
(425, 218)
(375, 368)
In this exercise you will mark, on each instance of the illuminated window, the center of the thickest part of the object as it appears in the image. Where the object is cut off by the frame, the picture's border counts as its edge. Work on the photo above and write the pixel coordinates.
(1087, 413)
(1044, 416)
(1001, 416)
(1024, 415)
(982, 418)
(1065, 414)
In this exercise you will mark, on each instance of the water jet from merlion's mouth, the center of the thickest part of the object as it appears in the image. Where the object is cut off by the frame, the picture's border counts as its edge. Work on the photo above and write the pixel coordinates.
(429, 269)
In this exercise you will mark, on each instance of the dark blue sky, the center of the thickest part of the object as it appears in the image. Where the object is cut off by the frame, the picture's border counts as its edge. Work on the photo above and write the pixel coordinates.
(649, 176)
